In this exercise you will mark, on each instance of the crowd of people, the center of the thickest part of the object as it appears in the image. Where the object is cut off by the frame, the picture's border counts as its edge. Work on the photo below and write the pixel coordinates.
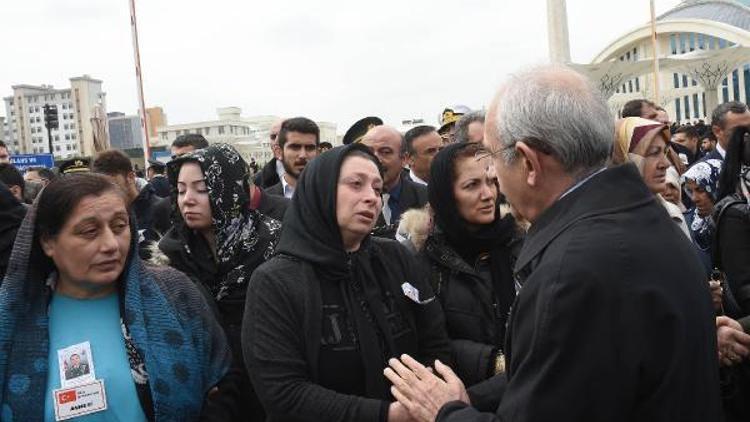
(542, 261)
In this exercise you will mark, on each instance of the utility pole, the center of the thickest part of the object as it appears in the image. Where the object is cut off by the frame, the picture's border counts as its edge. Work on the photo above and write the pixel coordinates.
(139, 81)
(51, 122)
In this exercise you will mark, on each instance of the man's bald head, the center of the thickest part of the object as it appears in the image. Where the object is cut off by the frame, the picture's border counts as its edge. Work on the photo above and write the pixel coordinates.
(387, 144)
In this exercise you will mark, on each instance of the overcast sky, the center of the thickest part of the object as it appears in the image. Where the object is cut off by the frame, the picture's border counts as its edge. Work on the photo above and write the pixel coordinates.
(333, 60)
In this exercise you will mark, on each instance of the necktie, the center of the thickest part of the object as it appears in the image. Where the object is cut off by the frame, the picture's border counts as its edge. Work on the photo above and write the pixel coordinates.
(386, 208)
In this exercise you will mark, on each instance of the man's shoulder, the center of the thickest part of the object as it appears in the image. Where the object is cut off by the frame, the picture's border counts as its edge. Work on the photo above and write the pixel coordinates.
(412, 192)
(276, 190)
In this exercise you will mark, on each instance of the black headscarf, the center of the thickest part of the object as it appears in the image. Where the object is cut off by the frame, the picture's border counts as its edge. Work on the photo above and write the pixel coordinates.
(467, 239)
(311, 233)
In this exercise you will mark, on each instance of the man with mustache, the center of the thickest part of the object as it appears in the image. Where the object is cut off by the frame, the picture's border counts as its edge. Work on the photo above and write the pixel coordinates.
(299, 139)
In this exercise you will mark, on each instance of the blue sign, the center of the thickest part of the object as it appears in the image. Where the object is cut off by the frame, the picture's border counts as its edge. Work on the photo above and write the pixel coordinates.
(24, 161)
(163, 156)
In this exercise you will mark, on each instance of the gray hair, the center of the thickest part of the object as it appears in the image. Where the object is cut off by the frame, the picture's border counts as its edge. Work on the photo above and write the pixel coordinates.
(557, 111)
(462, 126)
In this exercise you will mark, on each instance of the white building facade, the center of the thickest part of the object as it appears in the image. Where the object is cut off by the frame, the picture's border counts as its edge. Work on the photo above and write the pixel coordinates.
(250, 135)
(24, 112)
(690, 26)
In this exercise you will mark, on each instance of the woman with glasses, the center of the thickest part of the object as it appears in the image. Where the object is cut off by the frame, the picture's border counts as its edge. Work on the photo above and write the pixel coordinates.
(470, 253)
(645, 143)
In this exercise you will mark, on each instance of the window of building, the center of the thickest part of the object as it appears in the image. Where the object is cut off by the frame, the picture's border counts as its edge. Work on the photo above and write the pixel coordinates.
(73, 136)
(684, 81)
(57, 137)
(673, 43)
(677, 110)
(221, 130)
(696, 110)
(687, 106)
(57, 148)
(736, 84)
(207, 131)
(72, 125)
(67, 137)
(199, 131)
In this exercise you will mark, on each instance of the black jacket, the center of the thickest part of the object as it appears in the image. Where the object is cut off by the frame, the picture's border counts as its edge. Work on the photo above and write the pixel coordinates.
(731, 253)
(12, 213)
(161, 186)
(470, 304)
(272, 205)
(267, 176)
(144, 207)
(613, 321)
(282, 331)
(276, 190)
(413, 195)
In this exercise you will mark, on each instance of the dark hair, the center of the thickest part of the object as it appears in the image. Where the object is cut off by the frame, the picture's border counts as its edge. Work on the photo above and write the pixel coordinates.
(689, 131)
(738, 148)
(2, 145)
(158, 169)
(190, 140)
(719, 115)
(300, 125)
(325, 145)
(415, 133)
(10, 175)
(43, 172)
(633, 108)
(710, 135)
(112, 162)
(466, 150)
(359, 150)
(58, 200)
(462, 126)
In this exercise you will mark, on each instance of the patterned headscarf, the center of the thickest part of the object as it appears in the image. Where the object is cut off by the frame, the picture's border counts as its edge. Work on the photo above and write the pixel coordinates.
(705, 174)
(631, 132)
(237, 228)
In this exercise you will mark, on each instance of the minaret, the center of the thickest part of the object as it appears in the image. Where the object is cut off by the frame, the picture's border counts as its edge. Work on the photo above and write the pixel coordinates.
(557, 27)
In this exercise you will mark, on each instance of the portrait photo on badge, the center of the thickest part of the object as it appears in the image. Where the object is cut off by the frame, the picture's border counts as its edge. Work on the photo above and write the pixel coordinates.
(76, 364)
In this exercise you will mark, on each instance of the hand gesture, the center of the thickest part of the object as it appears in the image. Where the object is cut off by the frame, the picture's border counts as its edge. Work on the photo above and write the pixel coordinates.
(422, 392)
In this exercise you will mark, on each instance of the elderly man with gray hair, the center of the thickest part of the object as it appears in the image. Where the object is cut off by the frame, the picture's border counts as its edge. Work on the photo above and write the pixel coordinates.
(613, 319)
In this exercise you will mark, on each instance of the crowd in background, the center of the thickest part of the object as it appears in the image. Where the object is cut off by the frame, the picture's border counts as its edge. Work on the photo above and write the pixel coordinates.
(540, 261)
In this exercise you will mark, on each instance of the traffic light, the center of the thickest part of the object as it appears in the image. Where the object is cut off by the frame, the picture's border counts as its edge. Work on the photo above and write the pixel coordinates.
(50, 116)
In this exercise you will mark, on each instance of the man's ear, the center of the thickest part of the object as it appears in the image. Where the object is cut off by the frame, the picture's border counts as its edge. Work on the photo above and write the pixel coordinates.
(409, 159)
(277, 151)
(531, 162)
(48, 246)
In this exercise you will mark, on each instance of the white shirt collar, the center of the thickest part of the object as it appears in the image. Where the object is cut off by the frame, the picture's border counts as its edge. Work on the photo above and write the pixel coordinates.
(416, 178)
(280, 169)
(721, 150)
(581, 183)
(288, 189)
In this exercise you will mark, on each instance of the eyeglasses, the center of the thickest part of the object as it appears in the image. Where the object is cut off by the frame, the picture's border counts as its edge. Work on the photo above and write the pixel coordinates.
(534, 143)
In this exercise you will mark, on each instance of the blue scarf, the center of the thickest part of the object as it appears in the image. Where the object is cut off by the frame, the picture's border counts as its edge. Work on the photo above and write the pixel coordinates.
(171, 326)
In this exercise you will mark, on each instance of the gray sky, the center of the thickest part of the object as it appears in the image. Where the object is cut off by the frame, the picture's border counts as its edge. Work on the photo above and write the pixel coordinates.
(333, 60)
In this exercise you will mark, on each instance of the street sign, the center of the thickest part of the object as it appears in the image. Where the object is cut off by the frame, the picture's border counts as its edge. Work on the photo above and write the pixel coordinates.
(24, 161)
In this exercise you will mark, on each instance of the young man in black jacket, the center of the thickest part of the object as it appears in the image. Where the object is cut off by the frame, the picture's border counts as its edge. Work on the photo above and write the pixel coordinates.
(606, 326)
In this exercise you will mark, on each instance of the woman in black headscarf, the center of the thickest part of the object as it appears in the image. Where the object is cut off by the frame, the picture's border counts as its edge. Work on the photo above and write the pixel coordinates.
(470, 253)
(323, 317)
(218, 241)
